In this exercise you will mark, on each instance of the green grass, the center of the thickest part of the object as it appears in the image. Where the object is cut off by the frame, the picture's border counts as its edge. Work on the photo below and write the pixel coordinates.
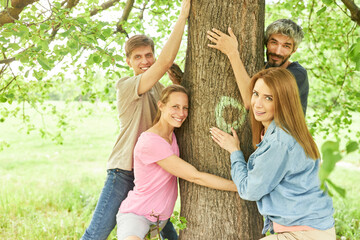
(347, 210)
(49, 191)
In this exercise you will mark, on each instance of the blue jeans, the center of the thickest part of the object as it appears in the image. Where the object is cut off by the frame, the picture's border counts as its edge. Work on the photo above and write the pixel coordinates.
(117, 185)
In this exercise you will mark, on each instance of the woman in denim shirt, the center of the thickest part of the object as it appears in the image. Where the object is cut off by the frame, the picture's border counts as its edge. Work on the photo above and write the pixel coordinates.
(282, 174)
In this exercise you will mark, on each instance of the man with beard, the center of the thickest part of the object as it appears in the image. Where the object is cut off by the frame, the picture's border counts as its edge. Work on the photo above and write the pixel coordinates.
(282, 39)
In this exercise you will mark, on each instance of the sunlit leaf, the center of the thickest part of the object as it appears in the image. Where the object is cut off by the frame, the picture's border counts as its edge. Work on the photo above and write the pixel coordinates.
(44, 63)
(341, 191)
(352, 146)
(321, 11)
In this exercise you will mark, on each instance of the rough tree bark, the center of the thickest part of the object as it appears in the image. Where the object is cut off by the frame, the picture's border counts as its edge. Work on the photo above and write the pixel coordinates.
(215, 101)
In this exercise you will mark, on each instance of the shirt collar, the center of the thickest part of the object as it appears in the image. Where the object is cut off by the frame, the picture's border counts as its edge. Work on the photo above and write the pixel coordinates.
(268, 132)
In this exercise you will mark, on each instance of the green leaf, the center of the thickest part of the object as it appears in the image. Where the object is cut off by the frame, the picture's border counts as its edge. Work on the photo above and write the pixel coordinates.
(106, 64)
(330, 155)
(2, 39)
(341, 191)
(81, 20)
(44, 45)
(24, 58)
(14, 46)
(10, 95)
(3, 99)
(73, 47)
(354, 53)
(330, 146)
(118, 57)
(44, 26)
(96, 58)
(65, 34)
(352, 146)
(107, 32)
(318, 13)
(23, 30)
(328, 2)
(38, 75)
(44, 63)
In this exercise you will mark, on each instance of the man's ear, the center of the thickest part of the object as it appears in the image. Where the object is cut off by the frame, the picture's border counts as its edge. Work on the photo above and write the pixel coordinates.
(128, 62)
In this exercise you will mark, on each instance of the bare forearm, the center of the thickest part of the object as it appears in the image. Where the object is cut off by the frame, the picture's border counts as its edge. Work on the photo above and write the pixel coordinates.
(171, 48)
(168, 53)
(216, 182)
(182, 169)
(241, 76)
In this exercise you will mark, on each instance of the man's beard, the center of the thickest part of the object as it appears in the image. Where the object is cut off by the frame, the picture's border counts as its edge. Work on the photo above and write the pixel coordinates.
(269, 64)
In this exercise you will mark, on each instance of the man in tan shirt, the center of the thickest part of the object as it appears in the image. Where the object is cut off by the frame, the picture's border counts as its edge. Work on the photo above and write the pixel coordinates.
(137, 98)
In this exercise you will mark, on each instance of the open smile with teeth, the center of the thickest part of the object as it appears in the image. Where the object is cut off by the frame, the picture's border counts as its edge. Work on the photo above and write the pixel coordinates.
(259, 113)
(144, 68)
(178, 119)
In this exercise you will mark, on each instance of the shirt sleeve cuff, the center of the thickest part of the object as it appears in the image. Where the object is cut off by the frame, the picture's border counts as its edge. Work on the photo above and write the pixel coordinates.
(237, 156)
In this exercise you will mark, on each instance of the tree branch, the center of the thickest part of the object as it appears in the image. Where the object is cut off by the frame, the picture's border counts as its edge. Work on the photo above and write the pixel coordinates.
(10, 60)
(141, 15)
(9, 15)
(70, 4)
(21, 3)
(354, 10)
(103, 6)
(8, 84)
(127, 9)
(7, 60)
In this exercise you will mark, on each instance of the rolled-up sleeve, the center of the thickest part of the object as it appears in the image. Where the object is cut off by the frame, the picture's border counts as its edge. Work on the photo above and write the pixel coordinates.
(263, 172)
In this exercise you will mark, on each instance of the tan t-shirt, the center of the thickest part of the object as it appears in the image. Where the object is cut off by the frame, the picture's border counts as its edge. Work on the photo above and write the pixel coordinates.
(136, 114)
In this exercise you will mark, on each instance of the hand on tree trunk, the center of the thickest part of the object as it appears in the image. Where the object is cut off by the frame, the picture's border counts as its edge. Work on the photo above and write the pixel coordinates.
(226, 141)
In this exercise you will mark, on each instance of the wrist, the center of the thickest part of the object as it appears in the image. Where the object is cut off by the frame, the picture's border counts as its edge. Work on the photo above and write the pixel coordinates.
(233, 150)
(233, 54)
(183, 16)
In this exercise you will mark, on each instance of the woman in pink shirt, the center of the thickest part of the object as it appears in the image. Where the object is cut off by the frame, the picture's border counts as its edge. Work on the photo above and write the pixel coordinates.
(157, 166)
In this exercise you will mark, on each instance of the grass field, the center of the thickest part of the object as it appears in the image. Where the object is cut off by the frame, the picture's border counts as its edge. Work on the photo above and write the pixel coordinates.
(48, 191)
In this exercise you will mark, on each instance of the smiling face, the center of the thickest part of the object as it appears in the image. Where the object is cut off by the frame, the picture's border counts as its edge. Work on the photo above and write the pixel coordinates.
(279, 49)
(262, 103)
(175, 111)
(141, 59)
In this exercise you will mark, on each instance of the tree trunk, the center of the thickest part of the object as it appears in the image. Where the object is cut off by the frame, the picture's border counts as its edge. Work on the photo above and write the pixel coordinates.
(215, 101)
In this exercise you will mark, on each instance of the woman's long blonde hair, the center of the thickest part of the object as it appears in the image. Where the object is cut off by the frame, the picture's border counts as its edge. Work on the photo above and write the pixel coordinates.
(288, 114)
(164, 98)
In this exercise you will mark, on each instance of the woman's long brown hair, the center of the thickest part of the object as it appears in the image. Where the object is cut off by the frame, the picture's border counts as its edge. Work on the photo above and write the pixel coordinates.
(288, 115)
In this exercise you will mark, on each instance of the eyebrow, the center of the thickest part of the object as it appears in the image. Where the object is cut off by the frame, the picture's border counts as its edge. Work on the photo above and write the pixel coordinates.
(267, 95)
(286, 43)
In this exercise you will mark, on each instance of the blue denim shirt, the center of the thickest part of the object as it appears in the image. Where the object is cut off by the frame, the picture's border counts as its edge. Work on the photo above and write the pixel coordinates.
(283, 181)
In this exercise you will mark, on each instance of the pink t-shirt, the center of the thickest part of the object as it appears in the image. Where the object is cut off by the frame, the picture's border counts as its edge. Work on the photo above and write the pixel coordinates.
(155, 190)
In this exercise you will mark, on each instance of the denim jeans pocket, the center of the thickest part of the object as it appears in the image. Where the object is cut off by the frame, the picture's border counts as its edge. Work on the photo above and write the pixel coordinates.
(123, 172)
